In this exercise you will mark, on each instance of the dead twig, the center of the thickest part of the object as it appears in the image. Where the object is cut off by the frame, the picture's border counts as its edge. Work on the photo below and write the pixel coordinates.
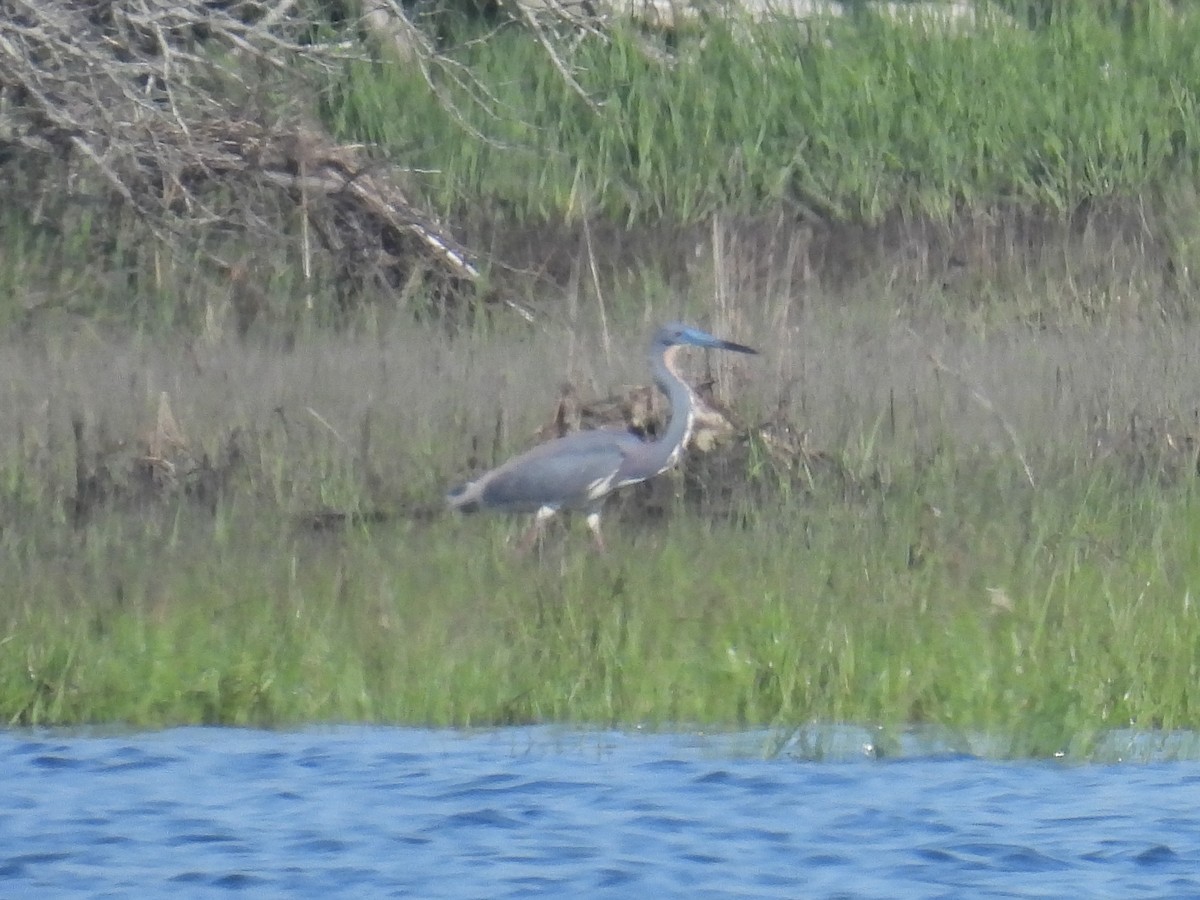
(985, 402)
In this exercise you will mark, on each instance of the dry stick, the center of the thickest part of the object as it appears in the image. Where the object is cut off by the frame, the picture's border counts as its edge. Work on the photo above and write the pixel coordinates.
(52, 31)
(280, 11)
(305, 241)
(165, 47)
(378, 19)
(573, 316)
(57, 114)
(363, 188)
(316, 415)
(980, 398)
(783, 315)
(353, 183)
(721, 293)
(587, 237)
(557, 61)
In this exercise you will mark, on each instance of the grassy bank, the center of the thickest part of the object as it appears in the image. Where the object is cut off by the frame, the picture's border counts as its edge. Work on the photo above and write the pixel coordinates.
(968, 262)
(922, 579)
(852, 120)
(1042, 617)
(1056, 159)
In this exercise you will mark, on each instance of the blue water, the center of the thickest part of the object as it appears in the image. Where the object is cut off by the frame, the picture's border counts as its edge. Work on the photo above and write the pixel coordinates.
(367, 812)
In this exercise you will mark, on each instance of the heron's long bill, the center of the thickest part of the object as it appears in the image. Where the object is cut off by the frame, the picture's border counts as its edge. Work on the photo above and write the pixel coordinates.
(736, 348)
(683, 334)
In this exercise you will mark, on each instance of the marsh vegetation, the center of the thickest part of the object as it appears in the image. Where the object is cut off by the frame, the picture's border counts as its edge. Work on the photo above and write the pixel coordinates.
(961, 484)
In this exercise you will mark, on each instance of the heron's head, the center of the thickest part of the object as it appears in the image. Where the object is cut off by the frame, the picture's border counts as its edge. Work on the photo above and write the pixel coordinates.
(676, 334)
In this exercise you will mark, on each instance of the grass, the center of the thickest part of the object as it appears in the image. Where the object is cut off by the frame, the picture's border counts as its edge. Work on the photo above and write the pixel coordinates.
(1044, 614)
(976, 160)
(853, 123)
(1050, 616)
(994, 533)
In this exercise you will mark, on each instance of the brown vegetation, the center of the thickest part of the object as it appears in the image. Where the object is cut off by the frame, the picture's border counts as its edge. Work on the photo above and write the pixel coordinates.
(158, 464)
(180, 117)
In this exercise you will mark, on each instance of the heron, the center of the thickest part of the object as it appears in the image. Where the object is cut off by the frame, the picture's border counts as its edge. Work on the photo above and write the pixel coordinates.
(578, 471)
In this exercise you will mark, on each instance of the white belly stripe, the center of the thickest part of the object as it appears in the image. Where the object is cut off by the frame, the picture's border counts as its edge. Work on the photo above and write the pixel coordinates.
(600, 487)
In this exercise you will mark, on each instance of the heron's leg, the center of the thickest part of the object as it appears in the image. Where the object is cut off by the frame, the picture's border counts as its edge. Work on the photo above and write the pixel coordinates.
(535, 529)
(593, 524)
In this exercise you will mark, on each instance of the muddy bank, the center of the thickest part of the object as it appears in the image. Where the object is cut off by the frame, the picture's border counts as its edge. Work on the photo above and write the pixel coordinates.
(980, 251)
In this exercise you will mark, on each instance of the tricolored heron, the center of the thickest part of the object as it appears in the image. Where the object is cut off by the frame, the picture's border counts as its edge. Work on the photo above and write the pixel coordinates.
(578, 471)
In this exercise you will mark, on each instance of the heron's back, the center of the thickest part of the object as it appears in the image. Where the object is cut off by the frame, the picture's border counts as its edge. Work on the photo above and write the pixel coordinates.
(570, 471)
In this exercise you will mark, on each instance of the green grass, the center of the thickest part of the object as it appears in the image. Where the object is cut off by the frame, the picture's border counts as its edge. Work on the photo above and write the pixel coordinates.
(856, 122)
(1054, 614)
(1044, 608)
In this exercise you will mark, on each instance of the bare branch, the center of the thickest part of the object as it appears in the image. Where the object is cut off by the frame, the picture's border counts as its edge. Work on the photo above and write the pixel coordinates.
(155, 102)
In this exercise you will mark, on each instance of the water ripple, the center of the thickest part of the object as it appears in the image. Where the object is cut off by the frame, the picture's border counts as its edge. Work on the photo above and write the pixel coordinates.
(537, 812)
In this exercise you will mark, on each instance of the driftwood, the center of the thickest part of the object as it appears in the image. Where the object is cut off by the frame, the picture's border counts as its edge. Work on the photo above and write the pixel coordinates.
(177, 114)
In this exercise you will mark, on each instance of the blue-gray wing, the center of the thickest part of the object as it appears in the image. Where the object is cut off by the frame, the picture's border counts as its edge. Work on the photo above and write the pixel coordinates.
(570, 471)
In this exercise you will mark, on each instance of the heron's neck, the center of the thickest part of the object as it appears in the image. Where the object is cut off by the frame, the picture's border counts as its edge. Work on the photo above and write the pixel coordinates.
(667, 377)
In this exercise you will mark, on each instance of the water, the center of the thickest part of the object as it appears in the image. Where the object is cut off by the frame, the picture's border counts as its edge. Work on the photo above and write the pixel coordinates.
(366, 812)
